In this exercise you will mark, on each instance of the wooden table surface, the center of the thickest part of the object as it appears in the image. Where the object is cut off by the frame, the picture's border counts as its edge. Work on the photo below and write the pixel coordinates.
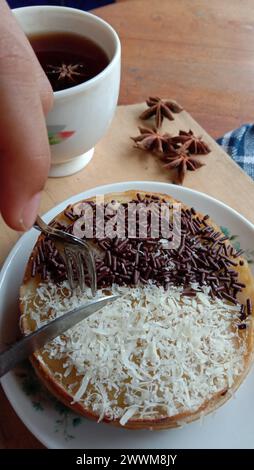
(199, 52)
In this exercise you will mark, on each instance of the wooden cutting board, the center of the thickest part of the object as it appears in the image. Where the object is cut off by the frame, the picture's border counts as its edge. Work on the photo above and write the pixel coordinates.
(116, 160)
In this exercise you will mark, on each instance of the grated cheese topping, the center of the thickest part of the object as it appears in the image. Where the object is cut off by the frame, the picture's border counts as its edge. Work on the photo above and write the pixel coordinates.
(150, 354)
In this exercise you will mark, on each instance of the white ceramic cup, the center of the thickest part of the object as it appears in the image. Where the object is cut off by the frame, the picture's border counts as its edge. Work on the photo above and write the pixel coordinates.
(82, 114)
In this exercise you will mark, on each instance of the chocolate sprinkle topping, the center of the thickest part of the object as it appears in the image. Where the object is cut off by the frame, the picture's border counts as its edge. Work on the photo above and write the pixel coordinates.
(249, 307)
(203, 257)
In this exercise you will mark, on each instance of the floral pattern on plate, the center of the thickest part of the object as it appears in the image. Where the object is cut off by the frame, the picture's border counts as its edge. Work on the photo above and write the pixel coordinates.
(234, 240)
(41, 399)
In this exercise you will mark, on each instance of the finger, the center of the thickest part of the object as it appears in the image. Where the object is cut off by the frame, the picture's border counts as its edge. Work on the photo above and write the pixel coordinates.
(24, 148)
(45, 89)
(14, 41)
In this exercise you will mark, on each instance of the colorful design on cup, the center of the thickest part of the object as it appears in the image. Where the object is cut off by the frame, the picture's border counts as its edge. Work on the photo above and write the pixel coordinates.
(57, 134)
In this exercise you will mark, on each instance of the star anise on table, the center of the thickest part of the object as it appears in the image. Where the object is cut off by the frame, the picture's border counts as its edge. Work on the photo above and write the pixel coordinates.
(65, 71)
(160, 109)
(181, 159)
(193, 143)
(151, 139)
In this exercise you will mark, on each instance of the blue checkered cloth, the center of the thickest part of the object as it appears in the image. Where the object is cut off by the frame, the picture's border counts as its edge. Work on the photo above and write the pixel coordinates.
(239, 144)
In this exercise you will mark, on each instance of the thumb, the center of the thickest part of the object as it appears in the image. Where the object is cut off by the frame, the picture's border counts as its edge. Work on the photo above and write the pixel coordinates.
(24, 147)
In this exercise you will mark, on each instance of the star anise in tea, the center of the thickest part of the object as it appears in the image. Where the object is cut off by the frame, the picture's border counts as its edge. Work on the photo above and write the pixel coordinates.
(66, 71)
(181, 159)
(160, 109)
(151, 139)
(193, 143)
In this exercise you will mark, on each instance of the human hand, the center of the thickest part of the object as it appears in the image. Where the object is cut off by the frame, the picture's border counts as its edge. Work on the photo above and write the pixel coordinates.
(25, 98)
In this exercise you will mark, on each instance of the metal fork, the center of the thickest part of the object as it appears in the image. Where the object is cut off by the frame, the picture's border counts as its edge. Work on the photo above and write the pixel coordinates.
(74, 249)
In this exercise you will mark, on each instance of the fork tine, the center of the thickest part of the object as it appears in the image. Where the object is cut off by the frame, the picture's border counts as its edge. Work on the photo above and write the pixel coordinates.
(89, 259)
(69, 267)
(81, 274)
(68, 240)
(75, 257)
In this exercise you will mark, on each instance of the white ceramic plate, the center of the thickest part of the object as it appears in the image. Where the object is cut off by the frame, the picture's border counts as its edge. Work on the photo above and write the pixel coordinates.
(232, 426)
